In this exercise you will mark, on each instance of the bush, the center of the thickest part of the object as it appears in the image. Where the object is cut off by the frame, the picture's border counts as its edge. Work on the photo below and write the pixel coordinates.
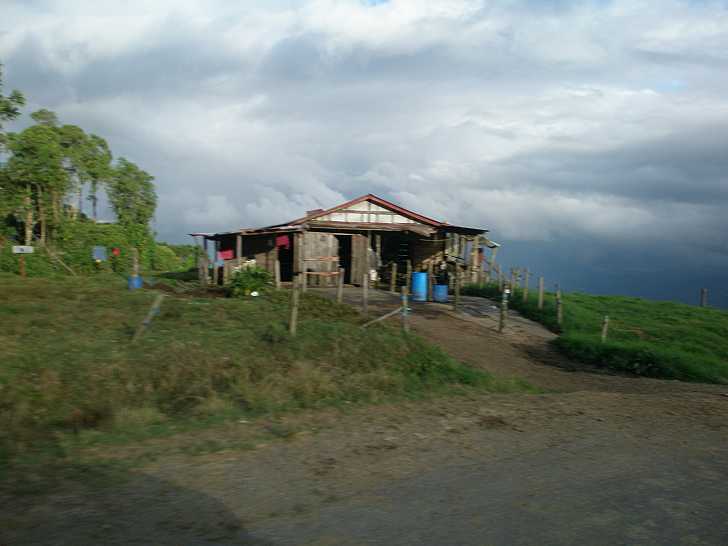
(164, 259)
(249, 279)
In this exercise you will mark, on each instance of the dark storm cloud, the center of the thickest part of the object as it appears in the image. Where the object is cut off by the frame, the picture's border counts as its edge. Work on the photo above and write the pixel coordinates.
(689, 166)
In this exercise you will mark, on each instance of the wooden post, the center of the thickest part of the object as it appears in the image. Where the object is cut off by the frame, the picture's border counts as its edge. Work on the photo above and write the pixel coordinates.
(430, 279)
(295, 296)
(474, 255)
(605, 328)
(153, 311)
(526, 278)
(393, 280)
(239, 248)
(21, 265)
(408, 282)
(503, 310)
(703, 297)
(501, 280)
(134, 262)
(405, 309)
(456, 303)
(540, 293)
(340, 285)
(378, 244)
(559, 307)
(215, 269)
(277, 274)
(491, 269)
(304, 279)
(204, 269)
(206, 261)
(396, 311)
(365, 293)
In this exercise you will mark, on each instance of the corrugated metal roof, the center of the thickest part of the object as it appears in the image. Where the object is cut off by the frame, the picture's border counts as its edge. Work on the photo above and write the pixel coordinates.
(300, 223)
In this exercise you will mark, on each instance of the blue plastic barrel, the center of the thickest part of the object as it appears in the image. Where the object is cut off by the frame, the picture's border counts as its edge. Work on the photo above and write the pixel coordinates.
(439, 293)
(419, 286)
(134, 282)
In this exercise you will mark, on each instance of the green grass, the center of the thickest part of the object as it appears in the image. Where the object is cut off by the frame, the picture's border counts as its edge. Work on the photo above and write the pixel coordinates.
(69, 374)
(652, 338)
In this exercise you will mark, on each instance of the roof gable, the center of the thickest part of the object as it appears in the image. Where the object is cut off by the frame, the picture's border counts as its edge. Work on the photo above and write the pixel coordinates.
(369, 209)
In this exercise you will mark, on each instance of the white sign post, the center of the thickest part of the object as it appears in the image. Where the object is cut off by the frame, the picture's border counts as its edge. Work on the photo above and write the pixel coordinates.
(22, 251)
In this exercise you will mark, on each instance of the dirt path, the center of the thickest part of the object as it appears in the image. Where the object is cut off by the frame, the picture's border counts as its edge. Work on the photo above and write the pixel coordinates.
(598, 459)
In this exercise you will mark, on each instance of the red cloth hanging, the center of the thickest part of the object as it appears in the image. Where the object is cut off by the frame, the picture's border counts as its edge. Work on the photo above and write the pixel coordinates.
(225, 254)
(283, 241)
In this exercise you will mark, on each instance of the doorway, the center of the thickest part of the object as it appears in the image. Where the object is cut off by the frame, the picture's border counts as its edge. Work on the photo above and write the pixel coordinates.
(285, 258)
(345, 256)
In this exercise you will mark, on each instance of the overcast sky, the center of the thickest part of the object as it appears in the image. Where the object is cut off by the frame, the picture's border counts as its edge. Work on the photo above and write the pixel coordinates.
(591, 138)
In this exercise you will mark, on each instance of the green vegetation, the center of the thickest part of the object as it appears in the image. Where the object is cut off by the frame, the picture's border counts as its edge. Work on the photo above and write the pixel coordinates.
(651, 338)
(45, 170)
(250, 279)
(70, 374)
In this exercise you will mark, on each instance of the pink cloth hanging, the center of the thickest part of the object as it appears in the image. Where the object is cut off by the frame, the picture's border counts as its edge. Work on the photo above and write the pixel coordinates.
(283, 241)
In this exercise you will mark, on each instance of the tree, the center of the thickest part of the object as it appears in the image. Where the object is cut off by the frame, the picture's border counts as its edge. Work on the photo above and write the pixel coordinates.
(45, 117)
(98, 166)
(132, 196)
(35, 171)
(9, 106)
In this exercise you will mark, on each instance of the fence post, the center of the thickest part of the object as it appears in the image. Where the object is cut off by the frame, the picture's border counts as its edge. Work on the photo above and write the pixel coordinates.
(277, 273)
(340, 286)
(540, 293)
(491, 269)
(703, 297)
(430, 280)
(215, 268)
(501, 280)
(559, 306)
(405, 309)
(304, 280)
(393, 280)
(526, 279)
(365, 294)
(134, 261)
(503, 310)
(409, 275)
(153, 311)
(456, 303)
(605, 328)
(293, 323)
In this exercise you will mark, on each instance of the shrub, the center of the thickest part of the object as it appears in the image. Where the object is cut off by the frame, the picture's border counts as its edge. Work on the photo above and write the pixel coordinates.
(247, 280)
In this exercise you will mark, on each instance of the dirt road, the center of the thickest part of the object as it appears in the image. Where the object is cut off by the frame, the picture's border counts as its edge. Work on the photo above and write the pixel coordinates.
(597, 459)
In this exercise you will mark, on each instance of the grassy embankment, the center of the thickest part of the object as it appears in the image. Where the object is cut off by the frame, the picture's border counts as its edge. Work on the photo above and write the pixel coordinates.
(652, 338)
(70, 376)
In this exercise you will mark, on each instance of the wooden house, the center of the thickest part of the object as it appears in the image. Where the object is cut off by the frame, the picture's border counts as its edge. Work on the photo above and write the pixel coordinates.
(365, 236)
